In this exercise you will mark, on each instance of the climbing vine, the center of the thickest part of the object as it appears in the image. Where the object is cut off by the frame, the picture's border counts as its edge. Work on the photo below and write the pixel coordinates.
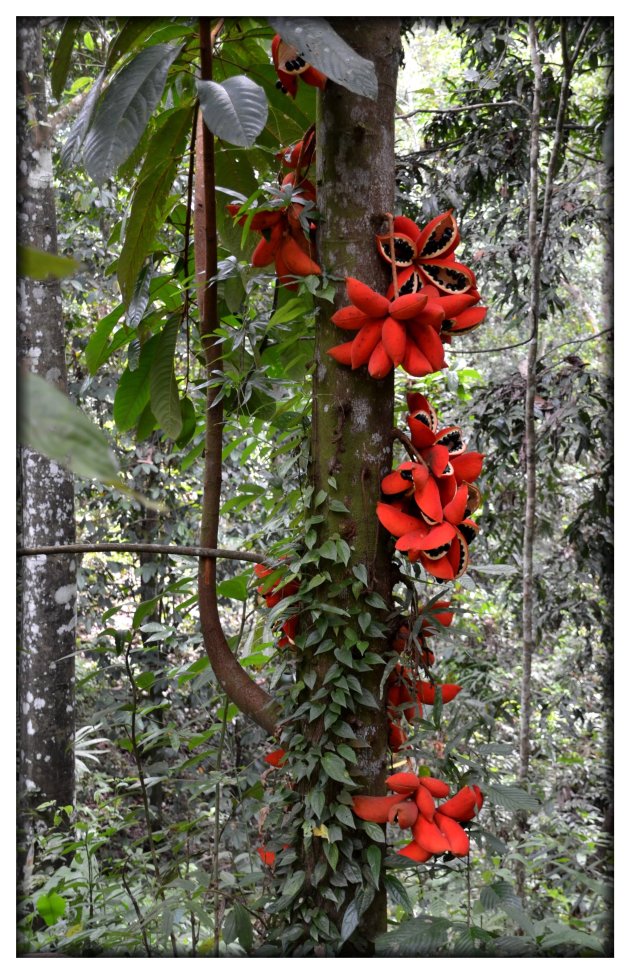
(315, 816)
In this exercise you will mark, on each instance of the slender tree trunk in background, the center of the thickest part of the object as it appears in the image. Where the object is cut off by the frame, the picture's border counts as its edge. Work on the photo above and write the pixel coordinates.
(529, 628)
(48, 617)
(530, 428)
(352, 413)
(538, 230)
(149, 585)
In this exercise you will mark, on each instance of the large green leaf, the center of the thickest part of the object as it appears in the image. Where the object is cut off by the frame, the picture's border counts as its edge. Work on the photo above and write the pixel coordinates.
(322, 47)
(132, 29)
(97, 348)
(511, 797)
(163, 384)
(63, 55)
(235, 110)
(51, 906)
(350, 921)
(42, 266)
(335, 767)
(415, 937)
(151, 195)
(497, 894)
(51, 424)
(125, 109)
(78, 131)
(132, 394)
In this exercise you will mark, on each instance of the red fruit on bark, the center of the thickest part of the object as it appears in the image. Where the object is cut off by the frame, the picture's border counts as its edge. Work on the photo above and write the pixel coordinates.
(402, 782)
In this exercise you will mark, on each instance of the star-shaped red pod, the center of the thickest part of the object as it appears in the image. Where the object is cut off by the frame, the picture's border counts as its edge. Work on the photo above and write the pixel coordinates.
(290, 65)
(389, 332)
(426, 256)
(429, 500)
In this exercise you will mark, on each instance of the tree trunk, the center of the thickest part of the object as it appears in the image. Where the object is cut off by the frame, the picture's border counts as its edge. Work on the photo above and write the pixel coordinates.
(48, 616)
(352, 413)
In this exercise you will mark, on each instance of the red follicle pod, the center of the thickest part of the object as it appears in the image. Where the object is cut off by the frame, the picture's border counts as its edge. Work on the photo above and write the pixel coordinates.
(404, 814)
(439, 238)
(402, 782)
(428, 835)
(435, 787)
(380, 363)
(458, 841)
(365, 299)
(414, 852)
(425, 802)
(463, 805)
(374, 808)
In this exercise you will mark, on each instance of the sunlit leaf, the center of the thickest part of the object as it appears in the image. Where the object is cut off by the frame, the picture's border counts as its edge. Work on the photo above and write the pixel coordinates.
(235, 110)
(125, 109)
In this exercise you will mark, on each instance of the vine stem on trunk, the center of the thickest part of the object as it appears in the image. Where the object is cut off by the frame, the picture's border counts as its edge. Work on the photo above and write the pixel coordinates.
(252, 699)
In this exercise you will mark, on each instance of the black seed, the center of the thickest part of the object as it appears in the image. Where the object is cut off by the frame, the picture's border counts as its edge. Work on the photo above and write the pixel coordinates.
(406, 475)
(453, 441)
(423, 418)
(468, 533)
(435, 553)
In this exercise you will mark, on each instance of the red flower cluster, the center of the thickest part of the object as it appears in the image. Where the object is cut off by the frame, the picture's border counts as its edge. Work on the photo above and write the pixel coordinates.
(290, 65)
(433, 496)
(404, 332)
(435, 829)
(408, 330)
(284, 240)
(426, 256)
(274, 594)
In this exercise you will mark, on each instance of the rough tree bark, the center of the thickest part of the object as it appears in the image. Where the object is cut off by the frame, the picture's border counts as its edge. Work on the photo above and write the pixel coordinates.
(46, 663)
(352, 413)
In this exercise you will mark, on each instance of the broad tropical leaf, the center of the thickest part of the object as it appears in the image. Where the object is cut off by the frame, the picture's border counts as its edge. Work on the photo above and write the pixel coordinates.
(125, 109)
(510, 797)
(325, 50)
(51, 424)
(414, 937)
(77, 133)
(132, 394)
(163, 384)
(151, 196)
(63, 56)
(235, 110)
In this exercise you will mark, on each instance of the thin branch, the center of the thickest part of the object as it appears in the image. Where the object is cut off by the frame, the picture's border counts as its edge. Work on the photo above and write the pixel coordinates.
(579, 341)
(408, 445)
(462, 108)
(499, 348)
(137, 909)
(189, 208)
(563, 101)
(229, 554)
